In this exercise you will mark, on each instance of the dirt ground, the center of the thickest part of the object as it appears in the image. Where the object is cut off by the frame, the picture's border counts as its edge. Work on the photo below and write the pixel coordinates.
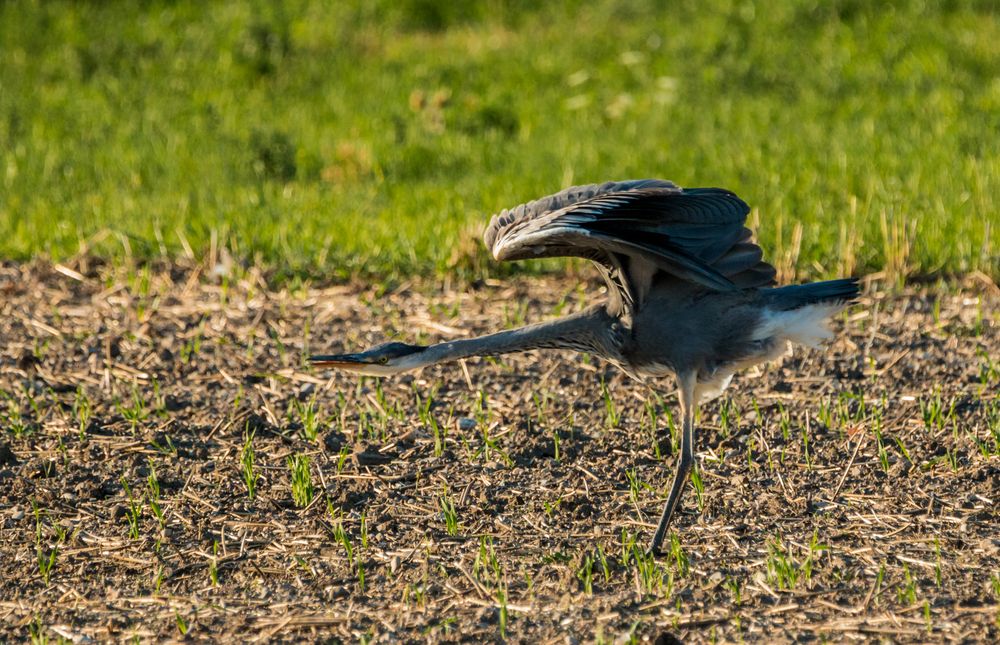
(847, 494)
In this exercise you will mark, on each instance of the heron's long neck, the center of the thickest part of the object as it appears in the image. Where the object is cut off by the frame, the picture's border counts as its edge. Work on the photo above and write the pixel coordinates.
(590, 330)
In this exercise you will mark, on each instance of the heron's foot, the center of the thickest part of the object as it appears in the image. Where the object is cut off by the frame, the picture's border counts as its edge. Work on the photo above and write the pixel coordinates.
(656, 543)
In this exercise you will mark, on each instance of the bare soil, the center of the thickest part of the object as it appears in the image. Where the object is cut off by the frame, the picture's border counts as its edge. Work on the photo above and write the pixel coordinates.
(846, 494)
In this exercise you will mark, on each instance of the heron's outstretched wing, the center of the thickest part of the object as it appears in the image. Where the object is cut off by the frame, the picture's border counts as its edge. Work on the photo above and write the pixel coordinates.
(636, 229)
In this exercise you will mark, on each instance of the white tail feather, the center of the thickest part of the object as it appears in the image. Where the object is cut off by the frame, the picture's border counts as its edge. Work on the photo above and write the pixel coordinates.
(806, 325)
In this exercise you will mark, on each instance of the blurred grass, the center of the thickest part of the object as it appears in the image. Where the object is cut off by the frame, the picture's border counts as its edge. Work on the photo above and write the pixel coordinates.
(376, 138)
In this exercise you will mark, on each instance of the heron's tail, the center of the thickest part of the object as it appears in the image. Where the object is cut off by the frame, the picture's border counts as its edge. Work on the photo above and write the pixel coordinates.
(844, 291)
(799, 313)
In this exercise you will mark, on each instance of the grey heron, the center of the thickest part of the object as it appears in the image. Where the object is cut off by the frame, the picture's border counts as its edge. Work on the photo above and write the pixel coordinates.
(688, 295)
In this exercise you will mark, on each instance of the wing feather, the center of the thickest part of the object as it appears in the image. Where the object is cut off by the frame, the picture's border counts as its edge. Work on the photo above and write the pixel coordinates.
(694, 234)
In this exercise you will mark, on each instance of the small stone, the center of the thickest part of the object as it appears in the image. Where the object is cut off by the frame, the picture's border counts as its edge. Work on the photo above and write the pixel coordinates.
(27, 361)
(372, 458)
(46, 469)
(465, 423)
(7, 456)
(333, 440)
(174, 403)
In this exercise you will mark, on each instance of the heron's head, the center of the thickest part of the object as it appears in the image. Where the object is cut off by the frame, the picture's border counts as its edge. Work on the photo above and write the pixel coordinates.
(382, 360)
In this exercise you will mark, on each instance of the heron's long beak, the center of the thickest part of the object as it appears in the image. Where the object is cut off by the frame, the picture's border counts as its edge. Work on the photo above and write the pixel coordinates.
(341, 361)
(384, 360)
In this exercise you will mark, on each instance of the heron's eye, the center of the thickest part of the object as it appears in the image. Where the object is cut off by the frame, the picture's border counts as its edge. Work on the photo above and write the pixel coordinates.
(383, 360)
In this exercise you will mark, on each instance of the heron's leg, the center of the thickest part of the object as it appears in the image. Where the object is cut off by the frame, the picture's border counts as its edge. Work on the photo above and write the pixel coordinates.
(687, 383)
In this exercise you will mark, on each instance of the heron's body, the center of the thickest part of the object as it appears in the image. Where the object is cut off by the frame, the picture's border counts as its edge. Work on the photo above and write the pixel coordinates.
(719, 333)
(689, 295)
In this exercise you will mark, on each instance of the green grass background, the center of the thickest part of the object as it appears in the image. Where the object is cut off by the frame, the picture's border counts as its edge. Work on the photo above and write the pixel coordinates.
(376, 138)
